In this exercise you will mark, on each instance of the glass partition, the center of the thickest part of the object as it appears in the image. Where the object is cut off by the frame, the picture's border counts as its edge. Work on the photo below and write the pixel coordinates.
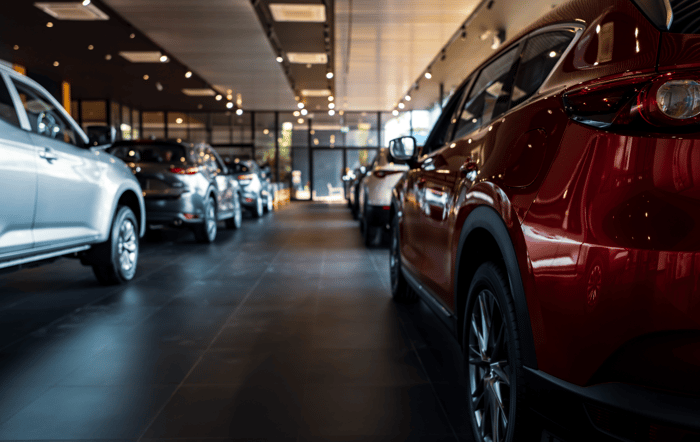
(153, 125)
(197, 126)
(126, 124)
(264, 140)
(94, 113)
(177, 126)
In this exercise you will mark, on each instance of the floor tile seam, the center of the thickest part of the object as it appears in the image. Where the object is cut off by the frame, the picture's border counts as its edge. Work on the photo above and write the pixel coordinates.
(106, 295)
(7, 418)
(201, 356)
(432, 385)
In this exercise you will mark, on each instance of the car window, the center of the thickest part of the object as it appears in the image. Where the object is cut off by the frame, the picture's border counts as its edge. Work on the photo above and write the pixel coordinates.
(149, 153)
(219, 162)
(443, 129)
(540, 55)
(490, 95)
(44, 118)
(7, 108)
(239, 167)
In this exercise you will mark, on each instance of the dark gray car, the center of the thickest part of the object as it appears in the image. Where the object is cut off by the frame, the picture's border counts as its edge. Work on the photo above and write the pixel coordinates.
(183, 185)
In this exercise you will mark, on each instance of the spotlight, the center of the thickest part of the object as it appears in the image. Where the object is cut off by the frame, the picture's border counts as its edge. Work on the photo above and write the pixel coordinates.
(239, 111)
(407, 98)
(331, 112)
(86, 2)
(218, 97)
(331, 98)
(331, 106)
(188, 74)
(329, 75)
(428, 75)
(163, 58)
(229, 105)
(300, 105)
(304, 112)
(401, 105)
(279, 59)
(395, 113)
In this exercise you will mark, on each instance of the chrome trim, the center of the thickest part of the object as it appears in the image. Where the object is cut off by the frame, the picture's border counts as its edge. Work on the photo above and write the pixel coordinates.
(42, 257)
(427, 295)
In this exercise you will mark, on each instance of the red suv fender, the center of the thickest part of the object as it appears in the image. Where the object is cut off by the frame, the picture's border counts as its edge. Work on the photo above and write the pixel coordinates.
(485, 231)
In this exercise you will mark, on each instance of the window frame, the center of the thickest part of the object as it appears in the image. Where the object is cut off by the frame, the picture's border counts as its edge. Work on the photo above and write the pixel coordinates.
(24, 118)
(14, 96)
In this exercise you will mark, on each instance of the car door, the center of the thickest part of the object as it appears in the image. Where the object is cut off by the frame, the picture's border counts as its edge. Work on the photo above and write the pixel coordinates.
(414, 234)
(18, 179)
(68, 175)
(458, 161)
(223, 184)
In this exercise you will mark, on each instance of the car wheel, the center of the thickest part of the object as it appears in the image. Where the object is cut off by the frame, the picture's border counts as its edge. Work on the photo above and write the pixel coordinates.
(270, 202)
(236, 220)
(114, 261)
(206, 231)
(400, 290)
(259, 208)
(493, 359)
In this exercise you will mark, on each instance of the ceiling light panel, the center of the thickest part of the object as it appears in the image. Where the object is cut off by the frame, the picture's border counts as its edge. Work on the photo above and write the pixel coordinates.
(72, 11)
(315, 92)
(307, 57)
(206, 92)
(142, 56)
(298, 12)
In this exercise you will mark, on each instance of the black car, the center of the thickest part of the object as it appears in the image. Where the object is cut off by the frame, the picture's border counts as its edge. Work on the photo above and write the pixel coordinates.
(183, 185)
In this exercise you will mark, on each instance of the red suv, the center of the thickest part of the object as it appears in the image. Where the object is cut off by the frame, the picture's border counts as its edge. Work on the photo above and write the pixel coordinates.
(552, 219)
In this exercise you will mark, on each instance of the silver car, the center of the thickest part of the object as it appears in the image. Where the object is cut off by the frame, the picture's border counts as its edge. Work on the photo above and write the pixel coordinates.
(183, 184)
(256, 190)
(61, 197)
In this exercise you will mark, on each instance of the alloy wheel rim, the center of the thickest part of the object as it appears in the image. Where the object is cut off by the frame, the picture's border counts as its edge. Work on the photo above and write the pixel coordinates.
(490, 380)
(211, 220)
(127, 246)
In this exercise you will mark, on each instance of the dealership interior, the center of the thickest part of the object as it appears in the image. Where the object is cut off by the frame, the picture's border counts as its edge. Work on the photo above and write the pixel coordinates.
(283, 327)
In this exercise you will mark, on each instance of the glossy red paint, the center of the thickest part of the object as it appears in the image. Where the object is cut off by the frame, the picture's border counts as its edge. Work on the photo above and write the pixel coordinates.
(603, 220)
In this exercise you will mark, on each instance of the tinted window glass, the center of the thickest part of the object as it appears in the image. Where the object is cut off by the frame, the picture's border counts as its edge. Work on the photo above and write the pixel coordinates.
(444, 127)
(150, 153)
(239, 168)
(490, 95)
(44, 118)
(540, 55)
(7, 108)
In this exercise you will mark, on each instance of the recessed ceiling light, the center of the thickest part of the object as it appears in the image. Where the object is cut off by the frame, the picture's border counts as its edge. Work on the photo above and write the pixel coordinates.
(296, 113)
(279, 59)
(428, 75)
(142, 56)
(331, 112)
(179, 120)
(239, 111)
(300, 105)
(401, 105)
(86, 2)
(188, 74)
(218, 97)
(307, 57)
(108, 57)
(407, 98)
(329, 75)
(49, 25)
(229, 105)
(55, 63)
(146, 77)
(331, 105)
(132, 35)
(16, 47)
(72, 11)
(331, 98)
(203, 92)
(395, 112)
(163, 59)
(298, 12)
(304, 112)
(91, 47)
(300, 121)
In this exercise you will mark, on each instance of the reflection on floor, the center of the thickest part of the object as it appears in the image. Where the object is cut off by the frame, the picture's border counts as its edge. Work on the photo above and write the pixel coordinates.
(281, 331)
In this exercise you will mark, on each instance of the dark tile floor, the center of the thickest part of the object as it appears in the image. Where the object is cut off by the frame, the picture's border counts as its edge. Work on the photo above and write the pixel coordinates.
(282, 331)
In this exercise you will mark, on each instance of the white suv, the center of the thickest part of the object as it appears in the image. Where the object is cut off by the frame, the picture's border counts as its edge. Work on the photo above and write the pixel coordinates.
(59, 196)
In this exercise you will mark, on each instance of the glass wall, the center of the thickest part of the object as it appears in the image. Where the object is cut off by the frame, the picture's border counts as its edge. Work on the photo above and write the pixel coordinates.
(300, 180)
(153, 124)
(136, 124)
(197, 127)
(264, 140)
(125, 127)
(292, 131)
(94, 113)
(178, 126)
(221, 128)
(359, 129)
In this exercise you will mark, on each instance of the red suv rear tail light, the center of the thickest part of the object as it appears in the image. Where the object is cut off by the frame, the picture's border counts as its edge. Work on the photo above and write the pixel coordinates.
(662, 101)
(383, 173)
(185, 170)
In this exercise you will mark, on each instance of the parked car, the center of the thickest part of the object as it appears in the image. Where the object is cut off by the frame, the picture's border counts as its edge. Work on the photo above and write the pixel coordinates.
(552, 219)
(60, 196)
(374, 194)
(256, 189)
(353, 187)
(184, 185)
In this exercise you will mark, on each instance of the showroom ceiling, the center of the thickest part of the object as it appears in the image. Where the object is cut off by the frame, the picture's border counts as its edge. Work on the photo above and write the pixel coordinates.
(377, 50)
